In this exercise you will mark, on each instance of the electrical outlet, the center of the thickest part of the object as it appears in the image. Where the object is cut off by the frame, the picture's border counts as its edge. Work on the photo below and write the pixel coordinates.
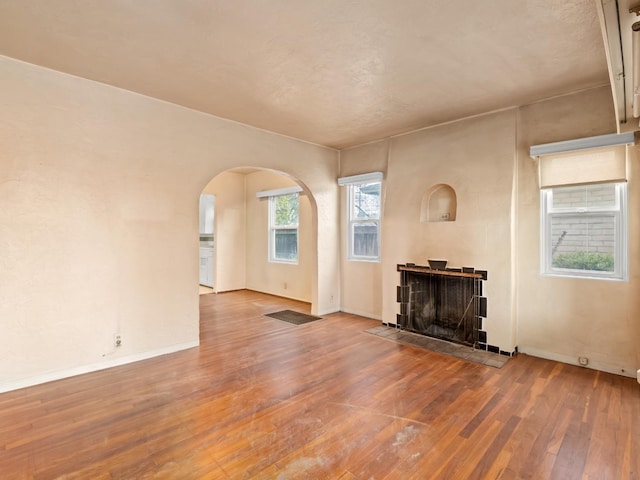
(117, 340)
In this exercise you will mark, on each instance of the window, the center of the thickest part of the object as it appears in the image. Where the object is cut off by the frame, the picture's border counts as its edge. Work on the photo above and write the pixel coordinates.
(283, 228)
(584, 231)
(364, 221)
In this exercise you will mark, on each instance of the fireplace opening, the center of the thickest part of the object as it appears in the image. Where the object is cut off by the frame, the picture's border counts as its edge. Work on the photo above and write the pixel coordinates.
(445, 304)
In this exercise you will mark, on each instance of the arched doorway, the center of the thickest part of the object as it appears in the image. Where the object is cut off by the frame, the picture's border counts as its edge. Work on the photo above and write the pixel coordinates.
(243, 246)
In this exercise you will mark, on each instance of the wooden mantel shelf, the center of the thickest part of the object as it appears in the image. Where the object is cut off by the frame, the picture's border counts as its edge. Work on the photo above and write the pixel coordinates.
(482, 274)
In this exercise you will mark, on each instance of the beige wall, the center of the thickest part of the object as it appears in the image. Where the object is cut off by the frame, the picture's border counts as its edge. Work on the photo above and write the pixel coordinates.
(229, 230)
(476, 158)
(486, 160)
(99, 190)
(563, 318)
(361, 281)
(287, 280)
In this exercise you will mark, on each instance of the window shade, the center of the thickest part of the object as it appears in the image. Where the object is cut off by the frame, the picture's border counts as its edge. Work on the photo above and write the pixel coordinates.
(362, 178)
(608, 164)
(279, 191)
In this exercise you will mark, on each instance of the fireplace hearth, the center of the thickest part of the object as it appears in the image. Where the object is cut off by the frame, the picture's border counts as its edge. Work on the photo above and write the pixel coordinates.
(443, 303)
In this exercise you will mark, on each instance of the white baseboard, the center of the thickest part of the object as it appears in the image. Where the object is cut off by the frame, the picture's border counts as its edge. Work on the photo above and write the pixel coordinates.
(362, 314)
(328, 312)
(278, 294)
(626, 371)
(93, 367)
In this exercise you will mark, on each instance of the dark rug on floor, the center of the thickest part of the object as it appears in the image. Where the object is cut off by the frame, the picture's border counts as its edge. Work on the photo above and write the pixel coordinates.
(290, 316)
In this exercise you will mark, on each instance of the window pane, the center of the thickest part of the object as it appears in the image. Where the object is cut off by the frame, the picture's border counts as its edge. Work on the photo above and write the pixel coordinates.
(286, 244)
(286, 210)
(585, 196)
(365, 239)
(583, 242)
(365, 201)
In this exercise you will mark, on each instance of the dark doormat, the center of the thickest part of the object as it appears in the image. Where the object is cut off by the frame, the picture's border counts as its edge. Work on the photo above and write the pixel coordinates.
(290, 316)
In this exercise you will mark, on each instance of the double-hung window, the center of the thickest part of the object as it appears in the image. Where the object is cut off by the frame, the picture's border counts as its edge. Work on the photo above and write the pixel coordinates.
(363, 216)
(583, 206)
(584, 230)
(283, 228)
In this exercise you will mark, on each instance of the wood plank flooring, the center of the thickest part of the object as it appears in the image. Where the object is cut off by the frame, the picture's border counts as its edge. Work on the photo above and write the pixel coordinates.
(264, 399)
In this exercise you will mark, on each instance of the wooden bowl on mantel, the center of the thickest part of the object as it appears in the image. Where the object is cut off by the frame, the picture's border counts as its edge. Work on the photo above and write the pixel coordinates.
(437, 264)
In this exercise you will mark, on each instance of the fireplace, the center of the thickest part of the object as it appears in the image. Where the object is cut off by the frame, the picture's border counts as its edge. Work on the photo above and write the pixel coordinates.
(443, 303)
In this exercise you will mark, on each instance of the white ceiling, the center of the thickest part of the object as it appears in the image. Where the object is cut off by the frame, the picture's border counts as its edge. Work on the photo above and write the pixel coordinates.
(333, 72)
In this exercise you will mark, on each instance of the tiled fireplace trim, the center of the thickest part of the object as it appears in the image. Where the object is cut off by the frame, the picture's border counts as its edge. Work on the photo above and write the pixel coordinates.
(481, 342)
(480, 335)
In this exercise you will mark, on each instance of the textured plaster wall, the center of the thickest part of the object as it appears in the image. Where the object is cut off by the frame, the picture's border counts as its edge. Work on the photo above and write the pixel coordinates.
(476, 157)
(286, 280)
(361, 281)
(564, 318)
(486, 160)
(229, 230)
(99, 190)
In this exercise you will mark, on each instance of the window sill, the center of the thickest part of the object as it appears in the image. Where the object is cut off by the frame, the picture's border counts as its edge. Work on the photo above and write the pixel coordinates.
(364, 260)
(571, 276)
(284, 262)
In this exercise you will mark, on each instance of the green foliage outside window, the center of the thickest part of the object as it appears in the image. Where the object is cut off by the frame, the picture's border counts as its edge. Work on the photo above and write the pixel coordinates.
(286, 211)
(600, 262)
(283, 241)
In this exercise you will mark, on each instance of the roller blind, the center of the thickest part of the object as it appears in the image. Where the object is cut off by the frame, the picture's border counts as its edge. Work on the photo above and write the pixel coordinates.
(608, 164)
(362, 178)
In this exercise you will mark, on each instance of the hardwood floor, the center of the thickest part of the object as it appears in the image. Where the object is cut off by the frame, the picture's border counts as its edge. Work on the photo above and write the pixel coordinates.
(263, 399)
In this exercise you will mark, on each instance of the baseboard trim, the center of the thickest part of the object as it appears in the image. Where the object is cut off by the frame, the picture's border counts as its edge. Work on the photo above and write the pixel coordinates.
(94, 367)
(361, 314)
(558, 357)
(280, 295)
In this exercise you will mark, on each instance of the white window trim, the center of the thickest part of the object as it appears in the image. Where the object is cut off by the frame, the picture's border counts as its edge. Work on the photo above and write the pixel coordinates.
(272, 227)
(352, 222)
(620, 214)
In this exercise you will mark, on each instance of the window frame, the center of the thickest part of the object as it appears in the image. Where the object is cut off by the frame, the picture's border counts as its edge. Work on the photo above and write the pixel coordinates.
(352, 222)
(618, 212)
(273, 228)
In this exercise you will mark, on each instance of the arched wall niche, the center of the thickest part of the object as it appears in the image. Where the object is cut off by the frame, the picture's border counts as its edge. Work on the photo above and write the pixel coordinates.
(439, 204)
